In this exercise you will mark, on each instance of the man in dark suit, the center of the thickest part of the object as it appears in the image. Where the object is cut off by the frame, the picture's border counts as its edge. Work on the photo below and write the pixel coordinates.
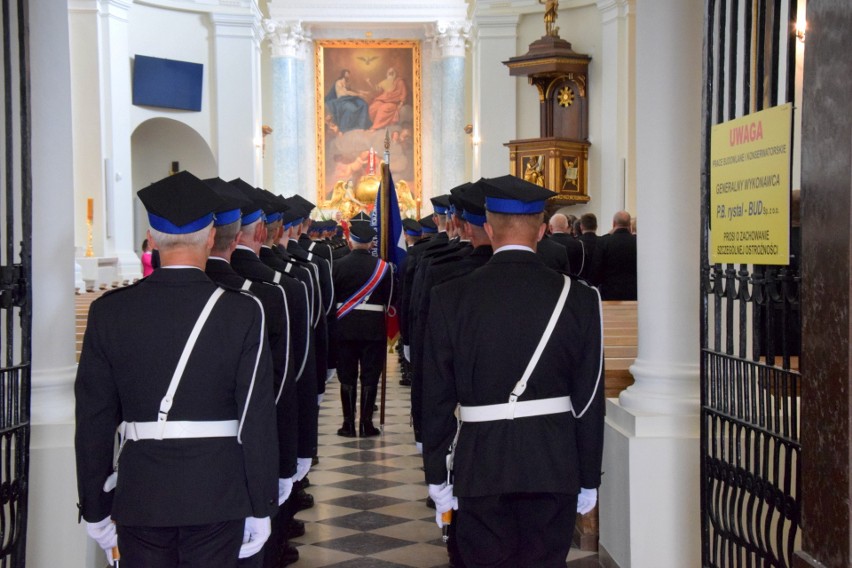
(246, 262)
(560, 232)
(528, 454)
(283, 337)
(614, 263)
(588, 236)
(362, 286)
(199, 453)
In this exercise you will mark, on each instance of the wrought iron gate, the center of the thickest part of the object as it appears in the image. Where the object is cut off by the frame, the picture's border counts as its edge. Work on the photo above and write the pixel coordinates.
(15, 291)
(750, 317)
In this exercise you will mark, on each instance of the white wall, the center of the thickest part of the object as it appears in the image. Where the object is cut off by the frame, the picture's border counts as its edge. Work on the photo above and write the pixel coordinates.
(183, 36)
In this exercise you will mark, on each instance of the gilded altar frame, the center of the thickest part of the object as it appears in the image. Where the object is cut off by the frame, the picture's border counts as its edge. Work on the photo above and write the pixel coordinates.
(344, 178)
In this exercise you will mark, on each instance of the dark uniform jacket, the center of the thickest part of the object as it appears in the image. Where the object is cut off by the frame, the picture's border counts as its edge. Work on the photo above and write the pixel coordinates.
(176, 482)
(249, 265)
(614, 265)
(483, 330)
(277, 312)
(415, 253)
(589, 241)
(554, 255)
(574, 248)
(350, 273)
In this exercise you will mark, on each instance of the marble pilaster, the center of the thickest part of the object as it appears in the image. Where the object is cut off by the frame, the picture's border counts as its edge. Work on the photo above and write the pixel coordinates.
(651, 447)
(452, 39)
(236, 112)
(288, 42)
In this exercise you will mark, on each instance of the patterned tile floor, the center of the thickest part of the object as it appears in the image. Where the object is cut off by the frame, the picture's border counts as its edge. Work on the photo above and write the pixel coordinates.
(370, 496)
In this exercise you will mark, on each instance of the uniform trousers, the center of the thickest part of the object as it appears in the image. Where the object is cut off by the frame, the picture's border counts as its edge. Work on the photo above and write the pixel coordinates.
(516, 530)
(370, 355)
(198, 546)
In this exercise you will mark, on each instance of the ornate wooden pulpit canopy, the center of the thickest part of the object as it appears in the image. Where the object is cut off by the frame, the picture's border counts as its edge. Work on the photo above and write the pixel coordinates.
(558, 159)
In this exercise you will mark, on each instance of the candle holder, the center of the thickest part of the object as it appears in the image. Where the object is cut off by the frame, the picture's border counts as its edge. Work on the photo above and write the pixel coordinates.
(89, 251)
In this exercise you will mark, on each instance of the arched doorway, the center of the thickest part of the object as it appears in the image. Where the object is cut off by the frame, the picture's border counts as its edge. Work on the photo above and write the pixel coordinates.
(155, 146)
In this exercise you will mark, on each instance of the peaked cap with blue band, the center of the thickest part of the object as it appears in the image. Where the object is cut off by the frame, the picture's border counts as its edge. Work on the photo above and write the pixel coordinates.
(513, 196)
(179, 204)
(254, 211)
(412, 227)
(428, 224)
(362, 233)
(473, 202)
(233, 201)
(440, 204)
(360, 217)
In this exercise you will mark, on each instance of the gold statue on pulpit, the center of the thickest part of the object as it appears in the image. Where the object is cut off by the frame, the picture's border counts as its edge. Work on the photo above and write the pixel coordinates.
(551, 7)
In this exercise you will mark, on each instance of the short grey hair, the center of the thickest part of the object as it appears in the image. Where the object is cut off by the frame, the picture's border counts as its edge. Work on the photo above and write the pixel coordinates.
(225, 235)
(196, 239)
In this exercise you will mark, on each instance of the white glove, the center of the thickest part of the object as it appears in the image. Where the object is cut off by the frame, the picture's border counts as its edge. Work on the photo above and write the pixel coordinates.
(103, 532)
(419, 446)
(586, 500)
(285, 487)
(442, 495)
(303, 466)
(319, 398)
(329, 374)
(255, 533)
(406, 352)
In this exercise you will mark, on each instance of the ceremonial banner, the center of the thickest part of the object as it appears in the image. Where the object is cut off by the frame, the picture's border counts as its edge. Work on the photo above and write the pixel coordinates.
(750, 188)
(390, 244)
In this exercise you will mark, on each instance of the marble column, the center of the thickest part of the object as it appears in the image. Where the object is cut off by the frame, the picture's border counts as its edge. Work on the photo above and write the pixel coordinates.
(53, 536)
(616, 167)
(452, 39)
(236, 112)
(494, 92)
(435, 123)
(649, 512)
(116, 129)
(289, 123)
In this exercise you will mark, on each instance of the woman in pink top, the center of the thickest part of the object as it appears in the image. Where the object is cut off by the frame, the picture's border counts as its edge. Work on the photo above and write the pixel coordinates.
(146, 259)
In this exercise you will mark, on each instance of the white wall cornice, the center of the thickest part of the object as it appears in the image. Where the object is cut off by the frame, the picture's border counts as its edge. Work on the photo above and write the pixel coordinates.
(487, 7)
(615, 9)
(206, 6)
(82, 6)
(335, 12)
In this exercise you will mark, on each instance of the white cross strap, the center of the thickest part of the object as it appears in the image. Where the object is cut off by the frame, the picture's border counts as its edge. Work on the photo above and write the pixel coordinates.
(166, 402)
(367, 307)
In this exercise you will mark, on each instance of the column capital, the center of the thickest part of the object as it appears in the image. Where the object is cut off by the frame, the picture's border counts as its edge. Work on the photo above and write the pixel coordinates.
(615, 9)
(451, 37)
(287, 39)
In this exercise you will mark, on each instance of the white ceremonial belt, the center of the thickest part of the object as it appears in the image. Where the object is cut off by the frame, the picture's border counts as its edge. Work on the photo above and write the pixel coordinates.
(178, 429)
(367, 307)
(517, 409)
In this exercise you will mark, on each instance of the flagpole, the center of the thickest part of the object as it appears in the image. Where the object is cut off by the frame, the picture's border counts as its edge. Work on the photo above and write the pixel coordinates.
(384, 228)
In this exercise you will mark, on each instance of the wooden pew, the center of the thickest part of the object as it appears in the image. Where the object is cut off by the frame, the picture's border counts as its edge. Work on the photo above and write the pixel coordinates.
(620, 347)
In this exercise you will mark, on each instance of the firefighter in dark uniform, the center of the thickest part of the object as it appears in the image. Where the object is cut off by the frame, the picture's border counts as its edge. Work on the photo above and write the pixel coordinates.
(198, 458)
(246, 262)
(282, 337)
(413, 235)
(519, 348)
(362, 286)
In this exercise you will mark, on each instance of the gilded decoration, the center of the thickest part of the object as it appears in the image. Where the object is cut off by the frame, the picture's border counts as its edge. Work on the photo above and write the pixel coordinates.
(565, 96)
(366, 90)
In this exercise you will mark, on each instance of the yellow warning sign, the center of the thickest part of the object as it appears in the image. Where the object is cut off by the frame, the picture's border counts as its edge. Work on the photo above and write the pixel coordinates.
(750, 188)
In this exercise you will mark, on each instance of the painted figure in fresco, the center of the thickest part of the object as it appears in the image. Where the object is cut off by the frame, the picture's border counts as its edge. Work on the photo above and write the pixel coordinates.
(384, 110)
(347, 107)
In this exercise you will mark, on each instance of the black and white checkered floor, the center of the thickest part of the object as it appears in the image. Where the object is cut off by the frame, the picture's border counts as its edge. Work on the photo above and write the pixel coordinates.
(370, 495)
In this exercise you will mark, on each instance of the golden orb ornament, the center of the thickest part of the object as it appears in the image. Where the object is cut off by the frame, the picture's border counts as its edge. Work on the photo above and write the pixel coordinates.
(566, 97)
(367, 188)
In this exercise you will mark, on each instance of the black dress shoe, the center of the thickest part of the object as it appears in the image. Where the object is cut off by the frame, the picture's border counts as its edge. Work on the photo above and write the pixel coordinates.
(430, 503)
(289, 555)
(315, 460)
(306, 482)
(405, 382)
(302, 500)
(366, 429)
(347, 430)
(295, 528)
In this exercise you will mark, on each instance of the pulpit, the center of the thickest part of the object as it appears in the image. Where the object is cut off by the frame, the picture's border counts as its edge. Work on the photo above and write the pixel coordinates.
(558, 159)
